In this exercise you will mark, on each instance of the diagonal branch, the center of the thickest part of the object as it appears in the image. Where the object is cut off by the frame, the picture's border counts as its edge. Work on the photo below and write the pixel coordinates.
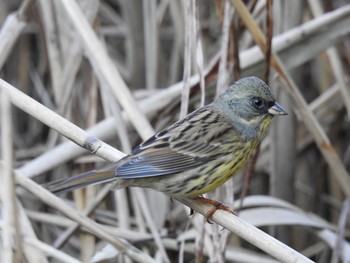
(248, 232)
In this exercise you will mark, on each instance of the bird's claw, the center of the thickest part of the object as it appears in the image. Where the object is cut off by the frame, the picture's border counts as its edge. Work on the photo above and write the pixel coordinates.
(216, 206)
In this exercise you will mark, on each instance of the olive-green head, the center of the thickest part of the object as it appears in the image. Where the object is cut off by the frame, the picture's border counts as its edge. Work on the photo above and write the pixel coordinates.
(250, 105)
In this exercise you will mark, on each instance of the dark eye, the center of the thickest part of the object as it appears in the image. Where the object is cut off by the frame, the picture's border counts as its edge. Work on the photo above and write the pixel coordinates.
(258, 103)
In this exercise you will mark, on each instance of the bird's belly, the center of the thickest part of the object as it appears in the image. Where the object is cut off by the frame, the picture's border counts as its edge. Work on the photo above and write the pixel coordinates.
(213, 178)
(200, 180)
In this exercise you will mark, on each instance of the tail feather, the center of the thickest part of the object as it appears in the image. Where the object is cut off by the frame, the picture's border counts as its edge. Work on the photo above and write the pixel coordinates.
(81, 180)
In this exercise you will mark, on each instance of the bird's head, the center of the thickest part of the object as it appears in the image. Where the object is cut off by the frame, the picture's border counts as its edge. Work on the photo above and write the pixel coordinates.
(250, 105)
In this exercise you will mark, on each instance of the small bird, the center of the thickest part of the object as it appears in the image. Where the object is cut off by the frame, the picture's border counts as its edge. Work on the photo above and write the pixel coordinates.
(197, 154)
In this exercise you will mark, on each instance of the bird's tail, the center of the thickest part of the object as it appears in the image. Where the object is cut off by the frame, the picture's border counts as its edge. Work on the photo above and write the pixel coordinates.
(88, 178)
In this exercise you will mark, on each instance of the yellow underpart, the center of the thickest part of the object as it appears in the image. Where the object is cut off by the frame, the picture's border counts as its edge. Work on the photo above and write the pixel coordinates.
(222, 173)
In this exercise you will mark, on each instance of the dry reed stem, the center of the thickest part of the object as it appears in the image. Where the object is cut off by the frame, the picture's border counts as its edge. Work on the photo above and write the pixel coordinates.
(151, 42)
(61, 125)
(223, 73)
(340, 242)
(141, 199)
(52, 44)
(335, 60)
(190, 16)
(10, 31)
(71, 131)
(249, 233)
(302, 43)
(57, 203)
(27, 230)
(89, 208)
(105, 70)
(175, 12)
(49, 250)
(48, 218)
(11, 230)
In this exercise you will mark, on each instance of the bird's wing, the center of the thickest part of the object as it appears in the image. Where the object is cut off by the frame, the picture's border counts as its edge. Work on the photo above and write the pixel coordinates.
(161, 156)
(160, 159)
(169, 152)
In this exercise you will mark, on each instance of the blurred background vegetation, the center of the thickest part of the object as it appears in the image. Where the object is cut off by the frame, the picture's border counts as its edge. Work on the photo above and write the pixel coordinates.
(172, 57)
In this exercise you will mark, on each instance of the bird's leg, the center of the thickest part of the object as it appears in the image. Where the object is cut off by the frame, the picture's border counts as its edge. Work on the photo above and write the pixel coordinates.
(217, 205)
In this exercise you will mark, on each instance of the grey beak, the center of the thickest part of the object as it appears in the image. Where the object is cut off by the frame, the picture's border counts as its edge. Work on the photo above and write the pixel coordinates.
(277, 109)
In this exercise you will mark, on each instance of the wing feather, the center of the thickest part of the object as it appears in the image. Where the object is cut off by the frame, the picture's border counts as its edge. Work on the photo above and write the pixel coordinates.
(181, 147)
(157, 162)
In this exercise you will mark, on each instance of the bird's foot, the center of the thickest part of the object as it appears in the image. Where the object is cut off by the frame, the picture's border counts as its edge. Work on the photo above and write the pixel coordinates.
(216, 206)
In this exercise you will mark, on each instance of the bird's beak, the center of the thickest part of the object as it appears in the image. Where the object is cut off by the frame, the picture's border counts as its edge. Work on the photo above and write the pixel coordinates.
(277, 109)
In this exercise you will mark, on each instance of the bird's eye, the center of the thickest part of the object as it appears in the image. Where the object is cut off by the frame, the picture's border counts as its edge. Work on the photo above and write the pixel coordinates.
(258, 103)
